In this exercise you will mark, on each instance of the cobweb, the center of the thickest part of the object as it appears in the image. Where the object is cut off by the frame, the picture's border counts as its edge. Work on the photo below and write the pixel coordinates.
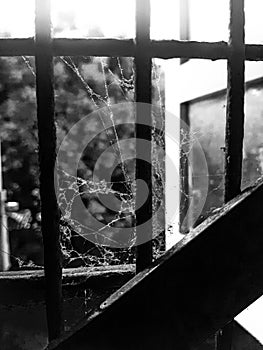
(114, 84)
(84, 85)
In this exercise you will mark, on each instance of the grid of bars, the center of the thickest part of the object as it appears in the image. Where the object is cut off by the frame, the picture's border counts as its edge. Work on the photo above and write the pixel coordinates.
(43, 47)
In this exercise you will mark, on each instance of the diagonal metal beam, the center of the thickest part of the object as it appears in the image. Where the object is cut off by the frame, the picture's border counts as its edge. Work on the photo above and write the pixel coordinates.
(200, 285)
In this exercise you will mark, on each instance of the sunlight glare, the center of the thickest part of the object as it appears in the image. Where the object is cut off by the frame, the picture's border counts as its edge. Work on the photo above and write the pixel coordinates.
(165, 17)
(114, 18)
(209, 20)
(17, 18)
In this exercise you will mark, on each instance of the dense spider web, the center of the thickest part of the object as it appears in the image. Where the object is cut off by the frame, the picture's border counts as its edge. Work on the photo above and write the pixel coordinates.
(83, 86)
(118, 86)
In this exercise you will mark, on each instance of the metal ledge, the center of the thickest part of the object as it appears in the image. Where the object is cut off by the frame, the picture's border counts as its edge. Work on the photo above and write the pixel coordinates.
(195, 289)
(22, 287)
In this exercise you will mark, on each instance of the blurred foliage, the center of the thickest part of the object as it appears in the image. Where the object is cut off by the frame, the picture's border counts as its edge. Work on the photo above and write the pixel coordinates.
(82, 85)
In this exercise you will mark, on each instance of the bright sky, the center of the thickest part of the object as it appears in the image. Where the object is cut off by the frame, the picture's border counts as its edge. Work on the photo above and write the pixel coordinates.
(209, 18)
(115, 17)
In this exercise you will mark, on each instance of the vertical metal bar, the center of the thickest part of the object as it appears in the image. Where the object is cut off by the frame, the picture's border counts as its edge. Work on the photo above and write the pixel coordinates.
(47, 157)
(234, 122)
(184, 168)
(235, 101)
(143, 130)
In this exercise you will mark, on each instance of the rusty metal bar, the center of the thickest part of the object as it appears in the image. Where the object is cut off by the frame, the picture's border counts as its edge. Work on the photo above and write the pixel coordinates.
(47, 157)
(143, 131)
(235, 101)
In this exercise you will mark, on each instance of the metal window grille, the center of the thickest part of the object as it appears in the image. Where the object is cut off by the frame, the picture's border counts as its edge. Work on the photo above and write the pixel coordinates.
(43, 47)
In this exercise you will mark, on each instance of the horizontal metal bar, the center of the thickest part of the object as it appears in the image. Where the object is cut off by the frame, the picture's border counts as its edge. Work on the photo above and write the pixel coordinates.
(17, 47)
(117, 47)
(94, 47)
(126, 48)
(70, 47)
(254, 52)
(188, 49)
